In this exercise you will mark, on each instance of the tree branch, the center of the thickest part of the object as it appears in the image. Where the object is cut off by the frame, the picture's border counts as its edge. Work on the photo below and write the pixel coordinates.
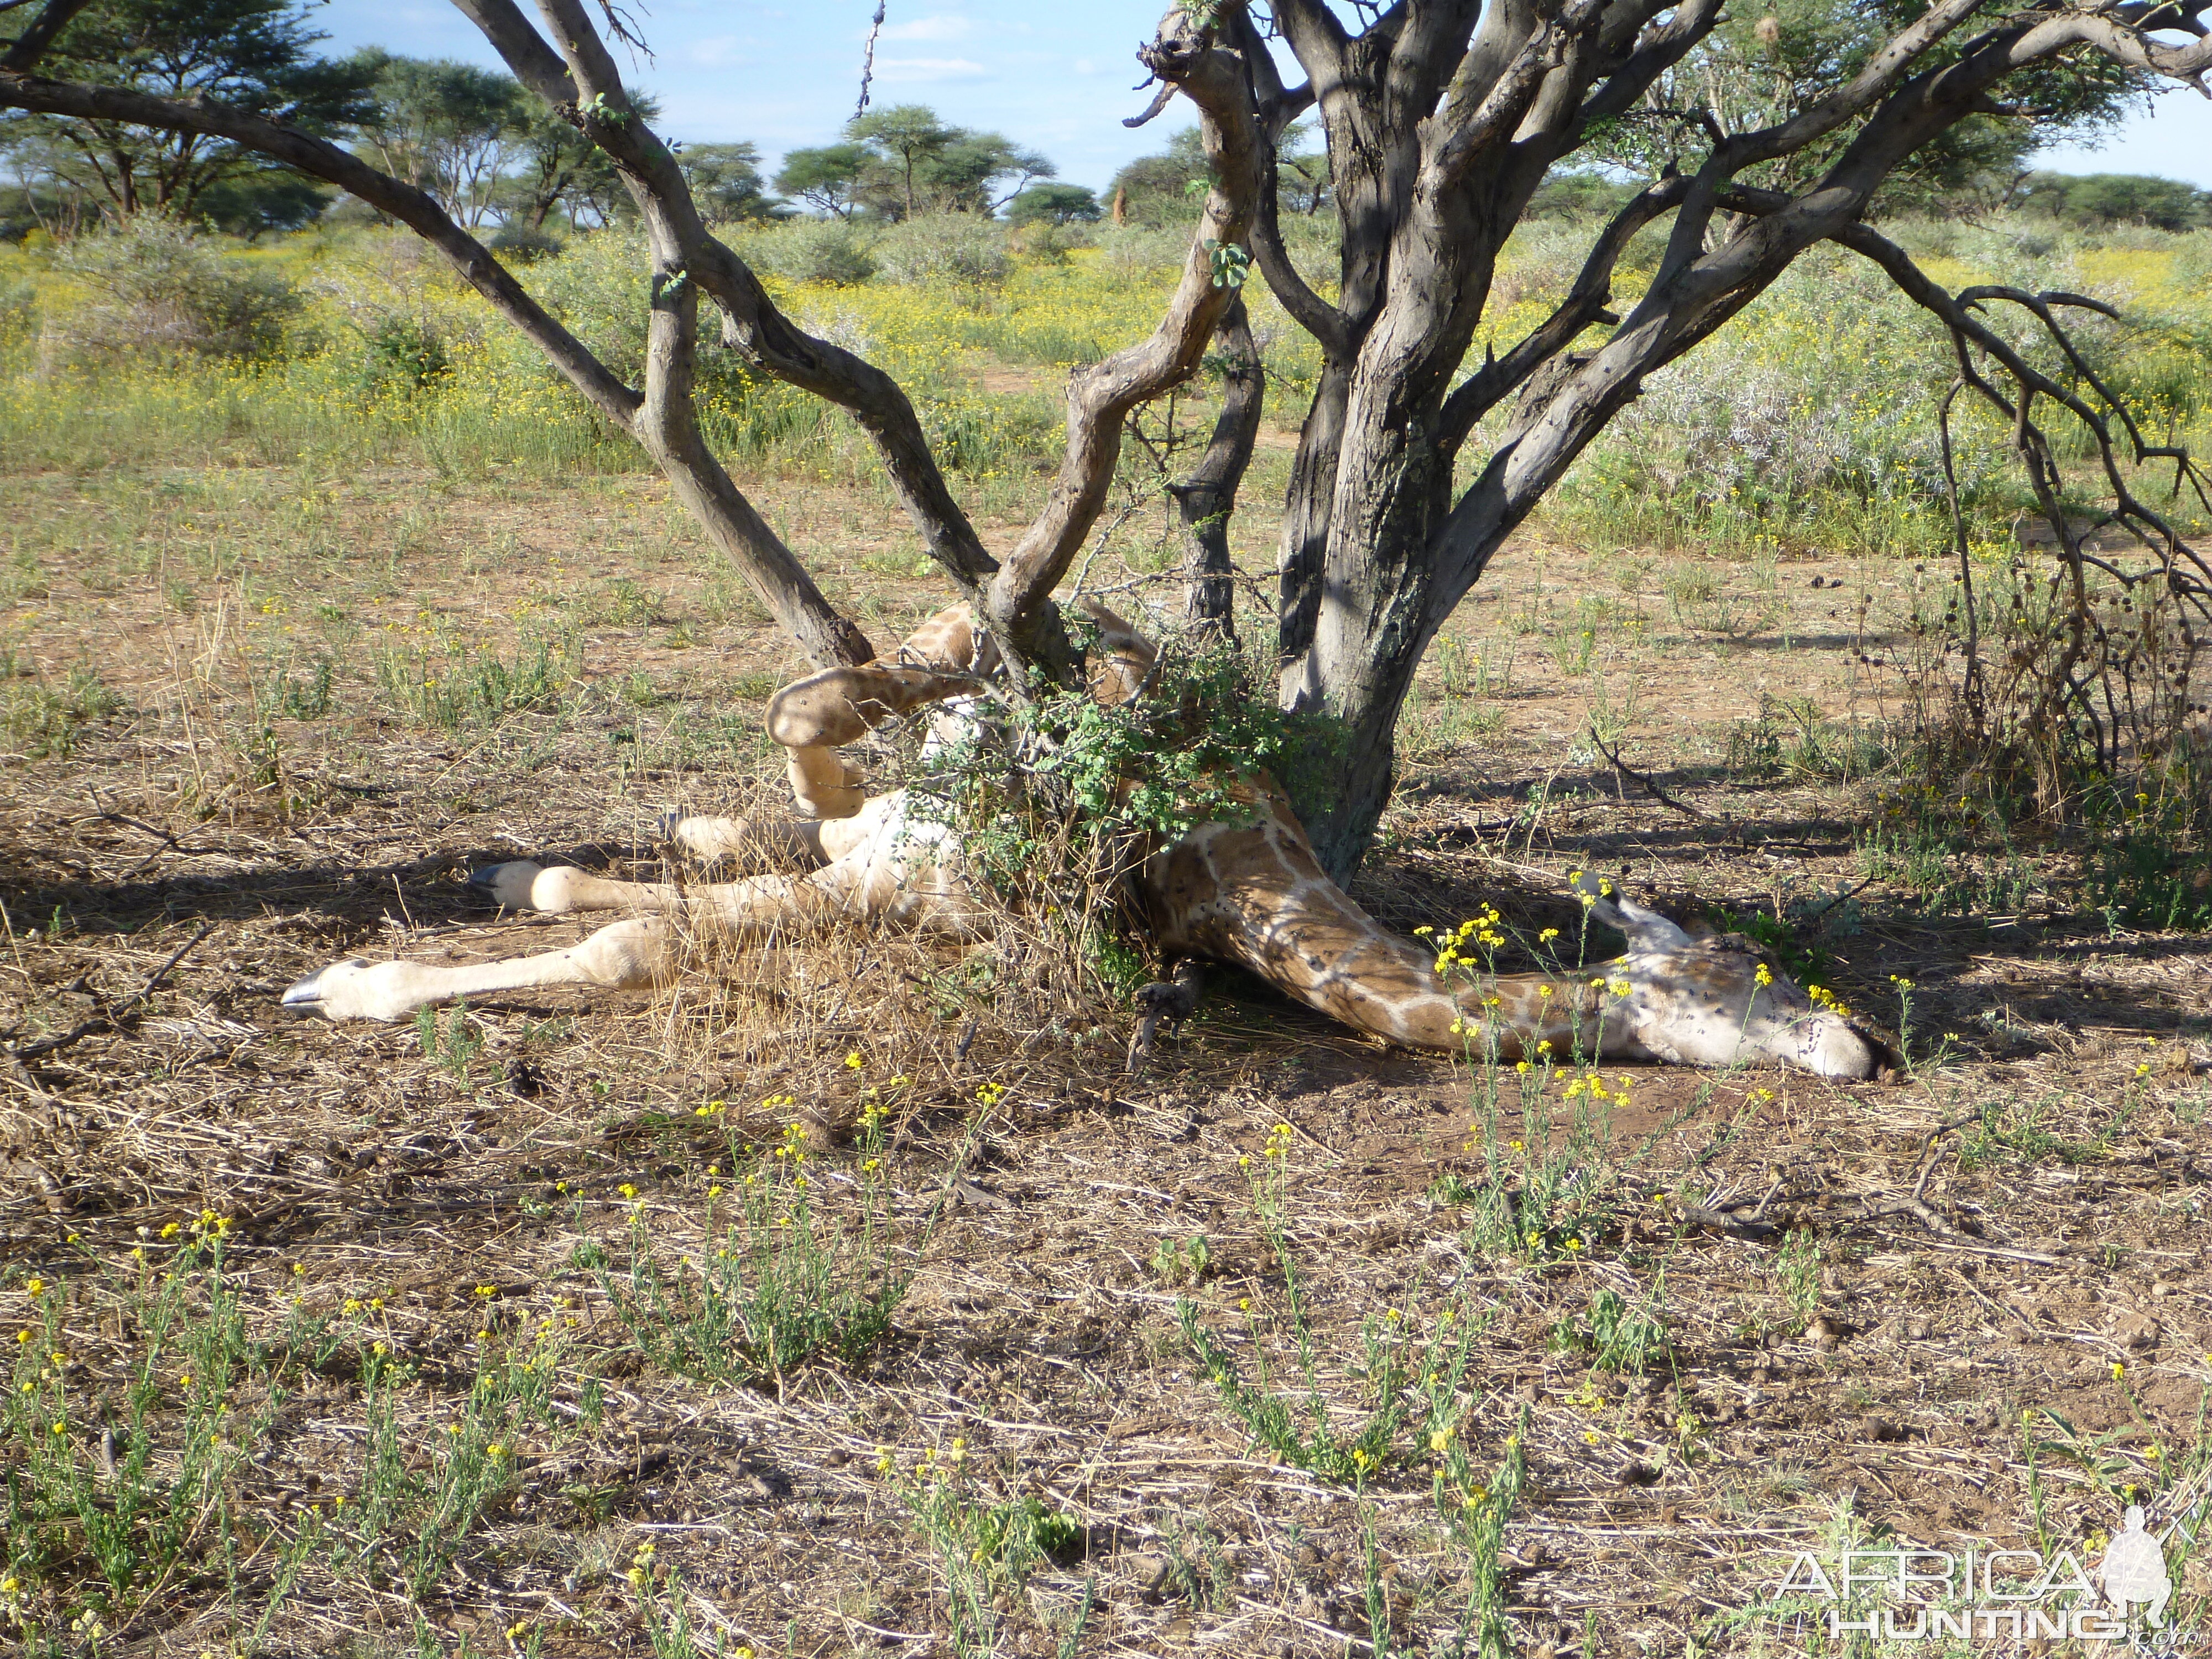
(1208, 496)
(753, 325)
(1276, 110)
(1471, 127)
(1585, 304)
(27, 48)
(536, 64)
(1881, 73)
(25, 51)
(1100, 396)
(1662, 48)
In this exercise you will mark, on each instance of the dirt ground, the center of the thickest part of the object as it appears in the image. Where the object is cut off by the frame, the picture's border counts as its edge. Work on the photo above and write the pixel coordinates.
(1968, 1302)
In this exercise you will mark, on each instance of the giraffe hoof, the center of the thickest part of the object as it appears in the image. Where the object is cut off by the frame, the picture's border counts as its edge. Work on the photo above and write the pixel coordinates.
(354, 989)
(307, 993)
(506, 885)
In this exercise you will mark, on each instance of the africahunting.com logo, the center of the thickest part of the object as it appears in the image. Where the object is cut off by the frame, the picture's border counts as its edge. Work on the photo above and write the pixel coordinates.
(1985, 1594)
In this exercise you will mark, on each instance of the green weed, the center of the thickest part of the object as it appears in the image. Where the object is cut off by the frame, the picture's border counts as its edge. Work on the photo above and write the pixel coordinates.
(1180, 1261)
(987, 1548)
(780, 1280)
(1404, 1376)
(1619, 1336)
(457, 687)
(455, 1046)
(44, 720)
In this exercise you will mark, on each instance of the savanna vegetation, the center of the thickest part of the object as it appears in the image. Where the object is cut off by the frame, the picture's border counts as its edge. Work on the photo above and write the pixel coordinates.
(854, 1297)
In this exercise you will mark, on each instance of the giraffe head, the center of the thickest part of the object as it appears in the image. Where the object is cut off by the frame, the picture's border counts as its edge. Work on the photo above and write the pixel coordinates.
(1720, 1000)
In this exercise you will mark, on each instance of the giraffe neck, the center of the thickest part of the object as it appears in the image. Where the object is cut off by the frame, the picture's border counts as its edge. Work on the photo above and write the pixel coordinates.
(1257, 895)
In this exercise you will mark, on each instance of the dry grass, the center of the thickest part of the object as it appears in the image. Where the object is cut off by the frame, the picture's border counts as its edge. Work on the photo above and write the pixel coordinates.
(1835, 1361)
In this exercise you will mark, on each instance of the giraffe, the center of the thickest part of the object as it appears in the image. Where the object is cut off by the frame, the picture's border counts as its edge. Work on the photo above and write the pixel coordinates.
(1248, 891)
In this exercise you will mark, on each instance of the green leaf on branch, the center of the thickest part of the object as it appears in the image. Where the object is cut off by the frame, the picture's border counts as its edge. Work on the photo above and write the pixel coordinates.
(1231, 263)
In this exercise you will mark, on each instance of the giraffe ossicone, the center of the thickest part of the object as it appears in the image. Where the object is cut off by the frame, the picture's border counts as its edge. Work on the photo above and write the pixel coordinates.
(1251, 892)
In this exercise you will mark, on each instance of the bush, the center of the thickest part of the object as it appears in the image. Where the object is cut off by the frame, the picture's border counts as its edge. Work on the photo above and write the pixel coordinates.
(404, 351)
(1050, 244)
(2192, 263)
(523, 243)
(601, 288)
(959, 249)
(1134, 253)
(810, 251)
(161, 287)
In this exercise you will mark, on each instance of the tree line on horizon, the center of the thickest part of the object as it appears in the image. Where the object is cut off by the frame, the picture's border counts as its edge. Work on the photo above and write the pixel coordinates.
(496, 157)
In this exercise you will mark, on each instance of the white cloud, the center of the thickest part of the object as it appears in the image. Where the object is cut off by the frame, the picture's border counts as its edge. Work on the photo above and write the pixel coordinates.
(929, 69)
(716, 49)
(1084, 66)
(929, 28)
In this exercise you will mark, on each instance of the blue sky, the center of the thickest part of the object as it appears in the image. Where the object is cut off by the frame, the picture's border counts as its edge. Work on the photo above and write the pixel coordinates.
(787, 75)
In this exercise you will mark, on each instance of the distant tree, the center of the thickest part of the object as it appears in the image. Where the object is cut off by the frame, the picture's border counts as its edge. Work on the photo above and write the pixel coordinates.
(1578, 193)
(981, 172)
(2093, 201)
(1302, 175)
(916, 163)
(1169, 188)
(255, 200)
(561, 168)
(726, 182)
(1055, 204)
(254, 55)
(446, 127)
(824, 179)
(903, 140)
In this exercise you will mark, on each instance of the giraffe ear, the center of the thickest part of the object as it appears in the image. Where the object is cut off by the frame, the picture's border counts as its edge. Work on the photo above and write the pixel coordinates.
(1647, 930)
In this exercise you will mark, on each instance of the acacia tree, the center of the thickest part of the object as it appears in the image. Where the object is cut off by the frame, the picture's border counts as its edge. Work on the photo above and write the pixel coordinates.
(1442, 118)
(250, 54)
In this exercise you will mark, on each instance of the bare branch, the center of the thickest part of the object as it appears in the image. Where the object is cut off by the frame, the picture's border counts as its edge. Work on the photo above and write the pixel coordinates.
(1585, 304)
(868, 61)
(1318, 41)
(2138, 50)
(1881, 73)
(1661, 49)
(1277, 109)
(1207, 497)
(753, 326)
(536, 64)
(1101, 395)
(1152, 111)
(1471, 127)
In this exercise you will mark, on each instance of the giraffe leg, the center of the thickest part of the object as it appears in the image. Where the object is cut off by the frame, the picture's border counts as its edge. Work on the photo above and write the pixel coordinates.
(563, 890)
(628, 956)
(882, 865)
(782, 840)
(824, 783)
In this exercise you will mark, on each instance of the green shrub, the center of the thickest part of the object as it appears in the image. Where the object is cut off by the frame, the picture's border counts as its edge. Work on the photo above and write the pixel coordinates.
(520, 243)
(405, 351)
(961, 250)
(810, 251)
(163, 288)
